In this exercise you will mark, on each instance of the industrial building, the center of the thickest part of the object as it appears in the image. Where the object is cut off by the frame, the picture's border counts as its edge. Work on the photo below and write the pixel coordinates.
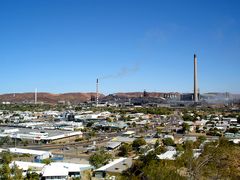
(36, 135)
(38, 155)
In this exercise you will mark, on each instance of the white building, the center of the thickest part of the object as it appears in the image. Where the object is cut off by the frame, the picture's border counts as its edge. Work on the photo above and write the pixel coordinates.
(55, 170)
(116, 166)
(40, 155)
(169, 155)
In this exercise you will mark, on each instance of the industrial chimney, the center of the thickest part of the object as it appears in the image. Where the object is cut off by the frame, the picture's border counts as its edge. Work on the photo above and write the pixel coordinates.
(35, 97)
(195, 80)
(97, 93)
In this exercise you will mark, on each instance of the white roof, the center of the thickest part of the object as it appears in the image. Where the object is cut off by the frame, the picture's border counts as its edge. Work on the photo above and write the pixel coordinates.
(54, 170)
(103, 168)
(129, 133)
(62, 169)
(113, 144)
(28, 151)
(63, 135)
(169, 155)
(27, 165)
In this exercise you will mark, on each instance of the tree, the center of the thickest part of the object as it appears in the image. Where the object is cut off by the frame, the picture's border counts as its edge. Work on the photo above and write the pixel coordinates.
(201, 139)
(168, 142)
(5, 172)
(78, 108)
(146, 127)
(161, 170)
(160, 150)
(6, 157)
(89, 124)
(218, 161)
(124, 150)
(150, 169)
(91, 134)
(137, 143)
(5, 140)
(187, 117)
(16, 173)
(32, 176)
(134, 124)
(157, 143)
(46, 161)
(233, 130)
(185, 127)
(109, 119)
(100, 158)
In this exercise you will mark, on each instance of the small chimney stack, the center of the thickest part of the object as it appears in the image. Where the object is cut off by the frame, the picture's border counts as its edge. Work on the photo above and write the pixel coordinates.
(97, 94)
(35, 100)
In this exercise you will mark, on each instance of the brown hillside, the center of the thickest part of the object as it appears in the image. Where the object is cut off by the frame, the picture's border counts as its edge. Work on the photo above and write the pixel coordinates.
(47, 97)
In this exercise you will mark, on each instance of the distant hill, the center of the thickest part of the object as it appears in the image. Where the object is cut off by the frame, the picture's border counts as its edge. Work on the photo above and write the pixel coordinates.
(79, 97)
(47, 97)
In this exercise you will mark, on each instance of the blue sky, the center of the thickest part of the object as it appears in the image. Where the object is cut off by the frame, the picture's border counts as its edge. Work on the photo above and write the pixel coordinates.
(131, 45)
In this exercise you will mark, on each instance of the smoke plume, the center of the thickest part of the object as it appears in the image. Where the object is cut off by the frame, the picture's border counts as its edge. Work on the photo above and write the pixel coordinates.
(124, 71)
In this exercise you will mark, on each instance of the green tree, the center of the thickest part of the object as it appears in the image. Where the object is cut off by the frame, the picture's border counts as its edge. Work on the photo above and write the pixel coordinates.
(134, 124)
(160, 150)
(146, 127)
(92, 134)
(78, 108)
(157, 143)
(233, 130)
(161, 170)
(188, 117)
(16, 173)
(5, 172)
(100, 158)
(32, 176)
(6, 157)
(125, 149)
(201, 139)
(137, 143)
(152, 169)
(46, 161)
(185, 127)
(238, 119)
(5, 140)
(168, 142)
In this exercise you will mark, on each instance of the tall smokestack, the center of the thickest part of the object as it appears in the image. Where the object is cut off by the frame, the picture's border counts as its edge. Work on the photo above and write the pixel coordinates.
(195, 80)
(97, 93)
(35, 101)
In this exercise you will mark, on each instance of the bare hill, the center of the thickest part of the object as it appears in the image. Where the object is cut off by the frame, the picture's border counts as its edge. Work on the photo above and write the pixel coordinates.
(47, 97)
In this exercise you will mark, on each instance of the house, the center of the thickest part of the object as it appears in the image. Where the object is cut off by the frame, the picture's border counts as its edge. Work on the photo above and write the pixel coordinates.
(62, 171)
(115, 167)
(54, 170)
(121, 139)
(113, 145)
(189, 138)
(38, 155)
(169, 155)
(128, 134)
(28, 166)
